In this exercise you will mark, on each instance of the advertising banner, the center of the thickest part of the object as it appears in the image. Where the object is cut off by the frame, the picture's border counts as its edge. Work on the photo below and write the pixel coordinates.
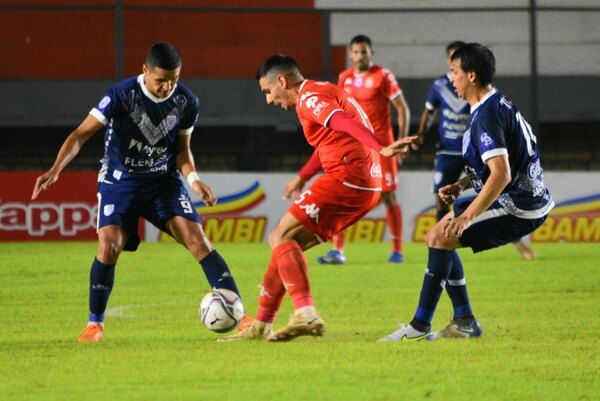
(250, 204)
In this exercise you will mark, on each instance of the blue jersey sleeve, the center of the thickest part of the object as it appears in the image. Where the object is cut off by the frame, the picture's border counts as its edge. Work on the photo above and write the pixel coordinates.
(490, 139)
(191, 114)
(433, 97)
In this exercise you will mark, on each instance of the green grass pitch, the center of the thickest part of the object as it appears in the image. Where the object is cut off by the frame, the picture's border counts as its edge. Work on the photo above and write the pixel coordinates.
(541, 320)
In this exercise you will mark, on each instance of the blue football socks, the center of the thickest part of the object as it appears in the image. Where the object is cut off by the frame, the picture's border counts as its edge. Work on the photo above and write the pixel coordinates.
(438, 268)
(102, 278)
(217, 272)
(457, 289)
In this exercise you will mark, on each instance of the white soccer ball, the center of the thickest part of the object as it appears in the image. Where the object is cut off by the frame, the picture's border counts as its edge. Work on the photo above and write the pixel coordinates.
(221, 310)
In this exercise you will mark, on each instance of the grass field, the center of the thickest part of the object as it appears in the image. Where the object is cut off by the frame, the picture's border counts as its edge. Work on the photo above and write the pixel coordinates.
(541, 321)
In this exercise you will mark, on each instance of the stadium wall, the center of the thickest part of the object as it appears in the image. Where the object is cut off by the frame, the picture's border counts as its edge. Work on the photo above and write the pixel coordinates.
(59, 56)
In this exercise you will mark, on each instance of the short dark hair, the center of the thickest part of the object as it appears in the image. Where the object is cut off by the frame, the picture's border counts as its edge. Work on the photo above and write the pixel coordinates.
(479, 59)
(361, 39)
(455, 45)
(279, 63)
(163, 55)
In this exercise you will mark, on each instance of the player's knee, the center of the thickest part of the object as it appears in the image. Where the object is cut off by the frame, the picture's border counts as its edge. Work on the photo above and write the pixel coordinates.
(436, 239)
(109, 251)
(197, 243)
(275, 238)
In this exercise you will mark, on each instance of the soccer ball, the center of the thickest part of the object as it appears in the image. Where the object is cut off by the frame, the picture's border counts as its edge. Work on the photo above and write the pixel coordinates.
(221, 310)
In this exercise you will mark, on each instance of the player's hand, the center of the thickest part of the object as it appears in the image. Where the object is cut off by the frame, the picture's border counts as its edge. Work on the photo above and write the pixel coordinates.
(399, 147)
(205, 192)
(417, 144)
(449, 193)
(44, 182)
(293, 188)
(455, 226)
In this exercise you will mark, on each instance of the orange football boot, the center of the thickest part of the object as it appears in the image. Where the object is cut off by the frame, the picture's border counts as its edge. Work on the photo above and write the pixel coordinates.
(245, 323)
(91, 333)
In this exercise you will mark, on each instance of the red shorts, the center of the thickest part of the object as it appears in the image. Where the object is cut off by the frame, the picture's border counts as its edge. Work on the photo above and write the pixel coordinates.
(328, 206)
(389, 172)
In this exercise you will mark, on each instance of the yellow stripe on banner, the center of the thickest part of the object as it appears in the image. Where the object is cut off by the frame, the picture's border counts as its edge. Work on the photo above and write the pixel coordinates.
(578, 208)
(232, 206)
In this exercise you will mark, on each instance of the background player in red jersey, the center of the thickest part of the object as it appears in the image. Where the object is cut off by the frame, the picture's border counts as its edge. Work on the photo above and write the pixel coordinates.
(374, 88)
(348, 151)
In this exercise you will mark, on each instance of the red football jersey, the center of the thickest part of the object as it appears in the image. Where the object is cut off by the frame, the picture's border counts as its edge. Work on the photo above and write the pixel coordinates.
(341, 155)
(373, 91)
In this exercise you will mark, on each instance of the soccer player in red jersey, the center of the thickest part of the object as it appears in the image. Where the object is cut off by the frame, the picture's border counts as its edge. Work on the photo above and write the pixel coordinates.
(374, 88)
(349, 153)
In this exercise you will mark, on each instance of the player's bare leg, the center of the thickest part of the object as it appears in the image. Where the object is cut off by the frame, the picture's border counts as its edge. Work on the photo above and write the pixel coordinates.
(526, 252)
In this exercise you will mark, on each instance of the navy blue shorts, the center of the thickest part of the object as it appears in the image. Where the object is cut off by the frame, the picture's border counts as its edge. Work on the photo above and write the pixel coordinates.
(157, 199)
(446, 170)
(494, 227)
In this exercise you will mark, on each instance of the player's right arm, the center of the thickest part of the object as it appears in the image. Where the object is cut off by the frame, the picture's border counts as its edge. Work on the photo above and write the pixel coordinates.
(294, 186)
(69, 149)
(449, 193)
(426, 121)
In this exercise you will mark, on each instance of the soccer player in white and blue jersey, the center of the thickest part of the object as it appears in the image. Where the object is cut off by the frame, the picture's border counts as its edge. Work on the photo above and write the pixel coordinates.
(148, 121)
(453, 113)
(502, 163)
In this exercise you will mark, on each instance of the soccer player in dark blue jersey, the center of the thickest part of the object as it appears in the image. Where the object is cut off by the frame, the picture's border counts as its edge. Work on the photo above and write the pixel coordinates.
(502, 162)
(453, 113)
(148, 121)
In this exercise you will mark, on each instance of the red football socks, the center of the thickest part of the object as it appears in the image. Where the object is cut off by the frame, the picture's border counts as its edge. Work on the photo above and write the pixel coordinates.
(272, 292)
(293, 270)
(394, 222)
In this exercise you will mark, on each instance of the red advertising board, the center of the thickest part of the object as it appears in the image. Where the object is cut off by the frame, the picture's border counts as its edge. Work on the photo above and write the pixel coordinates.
(66, 211)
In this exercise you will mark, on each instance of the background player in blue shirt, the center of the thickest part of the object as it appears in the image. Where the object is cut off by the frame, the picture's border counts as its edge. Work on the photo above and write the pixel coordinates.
(452, 112)
(149, 120)
(503, 167)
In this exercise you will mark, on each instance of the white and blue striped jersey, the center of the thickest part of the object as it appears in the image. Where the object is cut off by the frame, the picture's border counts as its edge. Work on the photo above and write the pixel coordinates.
(142, 130)
(453, 115)
(496, 128)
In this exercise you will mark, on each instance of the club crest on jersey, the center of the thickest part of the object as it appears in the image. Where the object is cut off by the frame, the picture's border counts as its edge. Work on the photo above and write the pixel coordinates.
(534, 169)
(104, 102)
(319, 108)
(485, 139)
(311, 102)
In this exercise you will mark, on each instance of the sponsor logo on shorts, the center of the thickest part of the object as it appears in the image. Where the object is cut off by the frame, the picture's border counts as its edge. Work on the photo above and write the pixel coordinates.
(376, 170)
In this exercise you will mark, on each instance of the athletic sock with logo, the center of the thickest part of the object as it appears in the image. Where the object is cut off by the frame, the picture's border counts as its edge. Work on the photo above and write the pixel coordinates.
(394, 222)
(457, 289)
(217, 272)
(293, 270)
(272, 293)
(438, 268)
(102, 278)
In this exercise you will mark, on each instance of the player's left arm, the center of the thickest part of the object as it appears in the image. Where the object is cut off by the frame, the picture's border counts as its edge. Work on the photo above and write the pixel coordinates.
(498, 179)
(185, 164)
(403, 110)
